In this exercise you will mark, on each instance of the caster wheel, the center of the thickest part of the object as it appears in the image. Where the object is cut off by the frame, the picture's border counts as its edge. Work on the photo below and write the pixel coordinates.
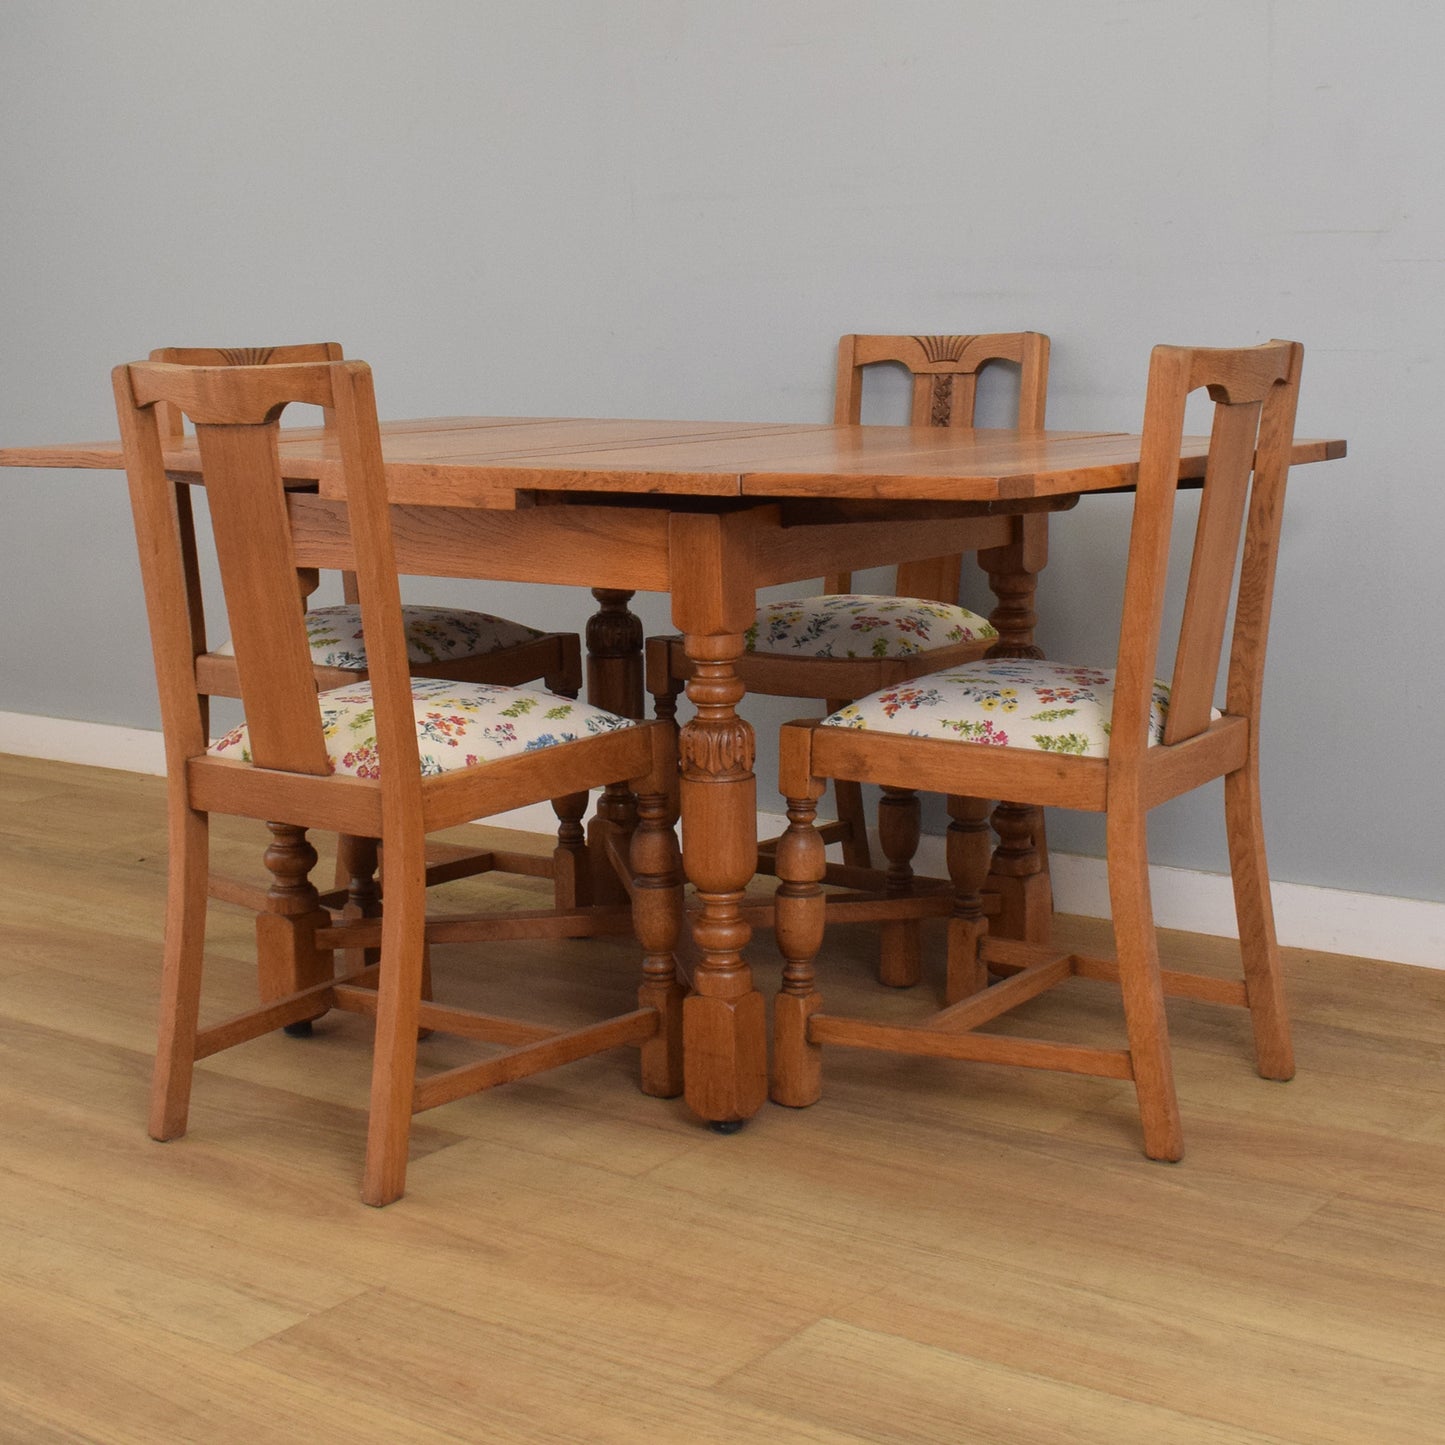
(299, 1031)
(726, 1126)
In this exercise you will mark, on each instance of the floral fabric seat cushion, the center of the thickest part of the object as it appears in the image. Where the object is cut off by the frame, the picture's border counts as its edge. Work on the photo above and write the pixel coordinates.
(1049, 707)
(458, 725)
(852, 624)
(433, 634)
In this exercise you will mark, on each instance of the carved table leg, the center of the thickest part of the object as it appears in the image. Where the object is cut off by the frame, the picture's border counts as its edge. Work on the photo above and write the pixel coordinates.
(1020, 872)
(614, 682)
(725, 1050)
(287, 958)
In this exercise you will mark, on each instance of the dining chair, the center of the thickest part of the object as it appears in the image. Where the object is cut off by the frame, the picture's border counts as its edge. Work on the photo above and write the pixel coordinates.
(449, 642)
(394, 757)
(841, 645)
(1111, 740)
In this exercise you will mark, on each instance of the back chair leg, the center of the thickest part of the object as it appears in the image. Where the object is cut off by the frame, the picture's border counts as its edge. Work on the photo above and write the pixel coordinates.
(1258, 947)
(185, 939)
(1137, 947)
(900, 951)
(393, 1070)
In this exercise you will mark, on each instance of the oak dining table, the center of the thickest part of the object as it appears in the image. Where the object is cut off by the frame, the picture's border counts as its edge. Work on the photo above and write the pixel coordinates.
(710, 512)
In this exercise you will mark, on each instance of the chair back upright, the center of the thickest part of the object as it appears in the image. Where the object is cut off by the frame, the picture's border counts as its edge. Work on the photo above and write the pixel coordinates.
(945, 372)
(236, 412)
(1254, 391)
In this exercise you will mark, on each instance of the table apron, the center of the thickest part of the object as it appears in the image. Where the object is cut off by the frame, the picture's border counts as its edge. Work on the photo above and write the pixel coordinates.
(611, 547)
(627, 548)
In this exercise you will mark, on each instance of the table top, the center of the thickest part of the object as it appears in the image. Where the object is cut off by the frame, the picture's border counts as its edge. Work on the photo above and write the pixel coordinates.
(489, 461)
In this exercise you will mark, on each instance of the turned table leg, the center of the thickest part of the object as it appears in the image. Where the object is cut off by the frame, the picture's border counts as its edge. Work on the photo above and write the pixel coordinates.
(724, 1030)
(614, 682)
(1020, 871)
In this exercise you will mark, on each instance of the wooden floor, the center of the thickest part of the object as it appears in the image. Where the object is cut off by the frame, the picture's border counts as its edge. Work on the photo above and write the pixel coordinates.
(936, 1252)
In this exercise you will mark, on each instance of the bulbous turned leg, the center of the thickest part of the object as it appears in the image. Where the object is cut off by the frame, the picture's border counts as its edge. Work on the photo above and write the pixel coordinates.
(571, 884)
(724, 1026)
(1019, 875)
(657, 922)
(800, 919)
(357, 860)
(614, 682)
(968, 857)
(287, 958)
(900, 946)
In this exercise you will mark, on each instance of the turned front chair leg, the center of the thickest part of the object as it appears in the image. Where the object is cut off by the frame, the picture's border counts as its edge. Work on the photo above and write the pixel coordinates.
(287, 958)
(657, 922)
(900, 948)
(356, 866)
(968, 858)
(571, 880)
(800, 919)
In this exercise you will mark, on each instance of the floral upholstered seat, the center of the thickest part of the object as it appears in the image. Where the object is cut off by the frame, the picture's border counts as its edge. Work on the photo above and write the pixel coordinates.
(458, 725)
(852, 624)
(1050, 707)
(433, 634)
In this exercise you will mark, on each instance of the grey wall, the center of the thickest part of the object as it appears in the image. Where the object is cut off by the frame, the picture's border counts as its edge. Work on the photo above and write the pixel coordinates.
(666, 208)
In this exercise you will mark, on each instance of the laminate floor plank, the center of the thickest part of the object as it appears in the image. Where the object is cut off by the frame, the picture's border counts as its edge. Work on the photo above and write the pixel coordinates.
(934, 1252)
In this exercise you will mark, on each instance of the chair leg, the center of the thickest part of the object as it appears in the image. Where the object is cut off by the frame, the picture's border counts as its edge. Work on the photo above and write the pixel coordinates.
(969, 839)
(900, 944)
(1258, 945)
(665, 689)
(1138, 955)
(848, 800)
(357, 860)
(571, 882)
(393, 1068)
(287, 958)
(797, 1063)
(181, 968)
(657, 922)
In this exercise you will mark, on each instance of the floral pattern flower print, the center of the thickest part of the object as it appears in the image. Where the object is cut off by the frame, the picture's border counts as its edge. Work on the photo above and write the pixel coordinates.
(433, 634)
(963, 703)
(857, 625)
(458, 725)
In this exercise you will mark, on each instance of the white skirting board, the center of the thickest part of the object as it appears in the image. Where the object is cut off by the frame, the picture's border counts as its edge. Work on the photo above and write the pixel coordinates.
(1328, 920)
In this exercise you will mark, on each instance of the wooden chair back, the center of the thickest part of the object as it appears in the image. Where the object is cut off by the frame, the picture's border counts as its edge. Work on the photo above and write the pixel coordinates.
(945, 372)
(236, 412)
(173, 427)
(173, 423)
(1254, 391)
